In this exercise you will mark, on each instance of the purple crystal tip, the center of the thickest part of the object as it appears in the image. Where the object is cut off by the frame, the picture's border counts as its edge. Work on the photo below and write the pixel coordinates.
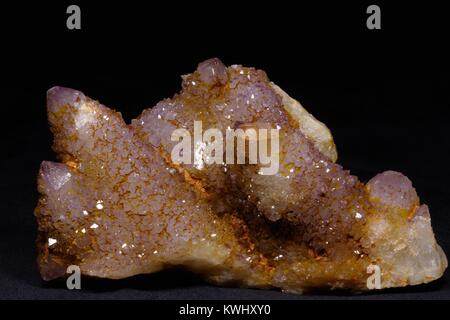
(60, 96)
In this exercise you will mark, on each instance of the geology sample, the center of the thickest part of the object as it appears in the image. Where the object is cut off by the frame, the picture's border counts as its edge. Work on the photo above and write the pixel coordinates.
(117, 204)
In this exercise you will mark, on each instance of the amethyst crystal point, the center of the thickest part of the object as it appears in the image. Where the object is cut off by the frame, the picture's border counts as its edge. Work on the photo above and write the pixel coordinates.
(119, 205)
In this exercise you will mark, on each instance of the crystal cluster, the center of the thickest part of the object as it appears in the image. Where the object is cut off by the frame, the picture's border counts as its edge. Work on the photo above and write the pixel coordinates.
(117, 205)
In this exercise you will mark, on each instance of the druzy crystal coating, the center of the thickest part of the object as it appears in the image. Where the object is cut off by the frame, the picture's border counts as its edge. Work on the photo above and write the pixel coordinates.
(116, 205)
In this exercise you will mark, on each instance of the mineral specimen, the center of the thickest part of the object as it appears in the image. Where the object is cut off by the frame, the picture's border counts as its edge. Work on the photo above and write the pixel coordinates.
(118, 205)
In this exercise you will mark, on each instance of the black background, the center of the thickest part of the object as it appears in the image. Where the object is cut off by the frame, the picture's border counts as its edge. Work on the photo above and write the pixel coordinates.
(383, 93)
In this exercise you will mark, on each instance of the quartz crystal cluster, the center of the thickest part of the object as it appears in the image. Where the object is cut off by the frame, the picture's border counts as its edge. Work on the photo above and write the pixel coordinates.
(116, 205)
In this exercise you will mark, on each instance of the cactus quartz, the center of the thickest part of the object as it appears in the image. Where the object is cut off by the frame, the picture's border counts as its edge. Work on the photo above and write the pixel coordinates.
(116, 205)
